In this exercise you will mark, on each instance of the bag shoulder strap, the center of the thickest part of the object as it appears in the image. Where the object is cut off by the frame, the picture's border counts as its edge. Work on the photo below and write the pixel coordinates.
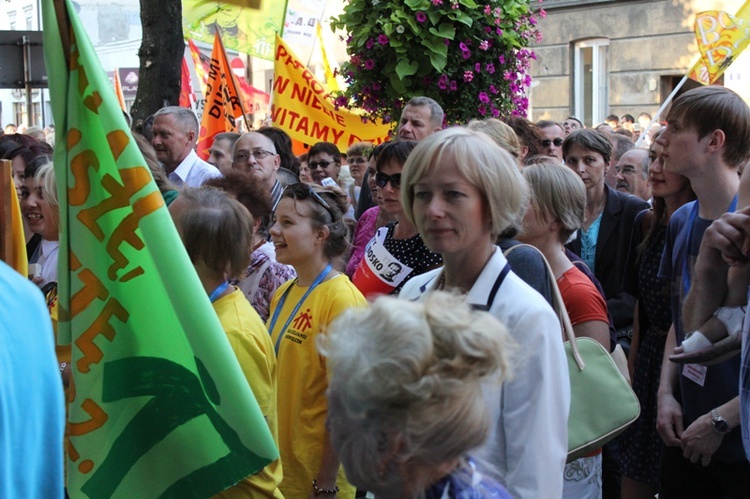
(557, 300)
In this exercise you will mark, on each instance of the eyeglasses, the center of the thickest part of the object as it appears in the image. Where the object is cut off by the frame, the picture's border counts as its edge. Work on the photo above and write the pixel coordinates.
(558, 142)
(302, 191)
(323, 164)
(244, 156)
(381, 180)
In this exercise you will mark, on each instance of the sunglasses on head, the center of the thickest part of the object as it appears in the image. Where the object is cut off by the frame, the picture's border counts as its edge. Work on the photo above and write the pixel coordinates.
(303, 191)
(558, 142)
(381, 180)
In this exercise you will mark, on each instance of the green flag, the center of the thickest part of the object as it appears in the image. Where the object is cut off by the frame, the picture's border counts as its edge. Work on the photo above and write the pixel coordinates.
(244, 29)
(158, 406)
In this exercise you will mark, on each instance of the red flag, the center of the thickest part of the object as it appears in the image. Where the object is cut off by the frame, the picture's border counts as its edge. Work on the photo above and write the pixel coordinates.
(187, 97)
(201, 63)
(223, 100)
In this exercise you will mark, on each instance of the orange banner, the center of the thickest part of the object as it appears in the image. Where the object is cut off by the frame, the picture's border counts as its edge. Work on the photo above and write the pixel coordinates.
(118, 90)
(187, 97)
(223, 102)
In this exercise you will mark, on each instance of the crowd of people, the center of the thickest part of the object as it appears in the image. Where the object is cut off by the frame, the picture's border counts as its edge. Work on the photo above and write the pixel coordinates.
(391, 308)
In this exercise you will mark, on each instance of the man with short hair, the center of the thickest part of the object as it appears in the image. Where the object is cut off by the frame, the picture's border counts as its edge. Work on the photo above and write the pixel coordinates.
(421, 117)
(324, 161)
(632, 174)
(175, 133)
(571, 124)
(256, 153)
(552, 138)
(612, 120)
(627, 122)
(706, 139)
(620, 145)
(221, 151)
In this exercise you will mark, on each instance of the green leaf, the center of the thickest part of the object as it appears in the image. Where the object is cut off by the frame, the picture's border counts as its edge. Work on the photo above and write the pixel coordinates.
(468, 3)
(434, 16)
(413, 24)
(405, 68)
(398, 85)
(417, 4)
(461, 17)
(388, 29)
(438, 61)
(445, 30)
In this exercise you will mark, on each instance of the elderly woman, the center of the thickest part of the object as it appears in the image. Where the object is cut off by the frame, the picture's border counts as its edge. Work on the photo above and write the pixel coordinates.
(461, 190)
(263, 274)
(556, 210)
(405, 396)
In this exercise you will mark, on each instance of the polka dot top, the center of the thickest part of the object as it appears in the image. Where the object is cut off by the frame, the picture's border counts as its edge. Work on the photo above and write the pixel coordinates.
(411, 252)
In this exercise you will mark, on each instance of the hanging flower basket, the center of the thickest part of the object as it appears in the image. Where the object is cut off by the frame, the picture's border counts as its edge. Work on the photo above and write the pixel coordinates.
(470, 56)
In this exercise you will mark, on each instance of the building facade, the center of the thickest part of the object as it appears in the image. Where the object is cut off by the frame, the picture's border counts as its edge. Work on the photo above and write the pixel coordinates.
(601, 57)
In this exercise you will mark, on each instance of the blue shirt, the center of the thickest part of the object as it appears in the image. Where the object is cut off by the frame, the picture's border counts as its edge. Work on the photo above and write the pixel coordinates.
(32, 415)
(588, 242)
(722, 380)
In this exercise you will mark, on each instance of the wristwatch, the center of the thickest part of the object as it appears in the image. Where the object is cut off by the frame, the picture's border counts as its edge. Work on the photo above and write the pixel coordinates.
(719, 424)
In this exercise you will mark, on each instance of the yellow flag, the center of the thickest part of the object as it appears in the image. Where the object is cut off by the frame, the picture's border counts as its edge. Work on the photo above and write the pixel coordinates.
(304, 109)
(13, 226)
(331, 82)
(720, 38)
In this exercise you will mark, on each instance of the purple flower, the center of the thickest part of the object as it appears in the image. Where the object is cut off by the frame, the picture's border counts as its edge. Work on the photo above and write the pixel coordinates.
(382, 39)
(421, 17)
(369, 64)
(443, 82)
(370, 42)
(446, 41)
(493, 89)
(437, 2)
(468, 76)
(453, 85)
(495, 112)
(482, 110)
(376, 86)
(483, 97)
(466, 54)
(501, 59)
(484, 45)
(499, 32)
(340, 101)
(490, 68)
(478, 67)
(426, 81)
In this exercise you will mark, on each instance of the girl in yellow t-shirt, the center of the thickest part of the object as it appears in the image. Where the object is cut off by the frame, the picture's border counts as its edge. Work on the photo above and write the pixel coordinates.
(308, 234)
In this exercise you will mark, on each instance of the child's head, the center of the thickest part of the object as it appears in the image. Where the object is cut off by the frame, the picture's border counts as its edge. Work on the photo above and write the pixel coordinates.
(706, 109)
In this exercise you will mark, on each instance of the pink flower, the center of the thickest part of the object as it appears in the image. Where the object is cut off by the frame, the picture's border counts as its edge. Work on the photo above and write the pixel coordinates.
(421, 17)
(487, 9)
(483, 97)
(482, 110)
(437, 2)
(478, 67)
(495, 112)
(501, 59)
(542, 13)
(484, 45)
(453, 85)
(443, 82)
(382, 39)
(370, 42)
(490, 68)
(493, 89)
(468, 76)
(499, 32)
(369, 64)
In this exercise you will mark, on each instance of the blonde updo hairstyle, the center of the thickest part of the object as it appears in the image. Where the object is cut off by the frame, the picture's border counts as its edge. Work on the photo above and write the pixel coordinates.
(480, 161)
(410, 372)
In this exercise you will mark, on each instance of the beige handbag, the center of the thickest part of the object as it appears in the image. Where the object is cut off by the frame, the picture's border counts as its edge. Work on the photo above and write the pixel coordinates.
(602, 403)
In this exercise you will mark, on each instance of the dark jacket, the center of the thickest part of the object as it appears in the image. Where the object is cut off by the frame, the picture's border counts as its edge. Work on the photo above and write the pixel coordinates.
(612, 247)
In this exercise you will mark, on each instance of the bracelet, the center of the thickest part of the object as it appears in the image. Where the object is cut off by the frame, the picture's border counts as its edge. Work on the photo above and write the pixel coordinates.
(63, 365)
(319, 492)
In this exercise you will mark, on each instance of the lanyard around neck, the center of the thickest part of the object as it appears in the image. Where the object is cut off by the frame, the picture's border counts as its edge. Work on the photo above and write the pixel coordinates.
(216, 293)
(282, 301)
